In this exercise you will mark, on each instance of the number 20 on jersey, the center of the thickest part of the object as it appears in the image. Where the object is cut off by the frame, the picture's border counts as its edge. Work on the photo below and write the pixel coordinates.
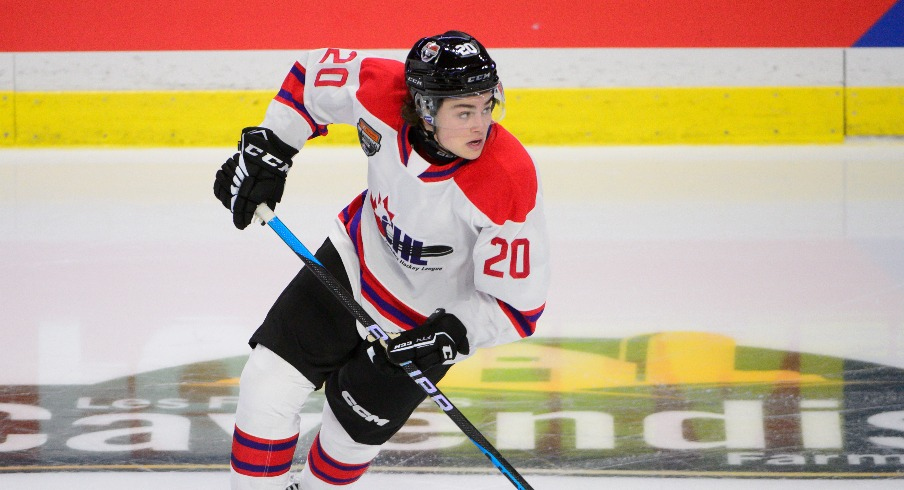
(515, 255)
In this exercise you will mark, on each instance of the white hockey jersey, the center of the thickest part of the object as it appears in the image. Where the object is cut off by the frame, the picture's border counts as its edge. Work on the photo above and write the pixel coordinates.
(469, 236)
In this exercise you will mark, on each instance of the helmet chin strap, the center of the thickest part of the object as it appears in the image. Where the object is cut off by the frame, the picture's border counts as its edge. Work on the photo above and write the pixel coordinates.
(426, 141)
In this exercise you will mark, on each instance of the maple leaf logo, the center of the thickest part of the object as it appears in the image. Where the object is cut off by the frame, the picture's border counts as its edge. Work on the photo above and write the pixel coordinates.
(382, 215)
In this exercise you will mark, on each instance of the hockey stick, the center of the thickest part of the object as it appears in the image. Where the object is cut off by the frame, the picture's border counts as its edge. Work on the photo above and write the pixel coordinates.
(266, 214)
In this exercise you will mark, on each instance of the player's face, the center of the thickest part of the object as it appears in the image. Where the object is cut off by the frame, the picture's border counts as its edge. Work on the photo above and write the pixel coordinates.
(462, 124)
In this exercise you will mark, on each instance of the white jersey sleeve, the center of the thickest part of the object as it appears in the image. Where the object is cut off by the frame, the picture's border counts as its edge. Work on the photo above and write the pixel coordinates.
(319, 90)
(510, 257)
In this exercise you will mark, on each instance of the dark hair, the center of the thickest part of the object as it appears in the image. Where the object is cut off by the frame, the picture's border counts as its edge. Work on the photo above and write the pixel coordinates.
(409, 112)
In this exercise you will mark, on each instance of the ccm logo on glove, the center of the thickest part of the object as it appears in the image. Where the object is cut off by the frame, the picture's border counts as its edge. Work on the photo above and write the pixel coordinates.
(255, 175)
(267, 158)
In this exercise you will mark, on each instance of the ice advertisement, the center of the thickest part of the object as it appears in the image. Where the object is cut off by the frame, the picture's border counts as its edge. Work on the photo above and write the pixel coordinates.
(664, 404)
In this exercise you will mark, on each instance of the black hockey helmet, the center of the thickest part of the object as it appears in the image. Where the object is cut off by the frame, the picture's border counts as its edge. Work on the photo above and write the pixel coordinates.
(452, 64)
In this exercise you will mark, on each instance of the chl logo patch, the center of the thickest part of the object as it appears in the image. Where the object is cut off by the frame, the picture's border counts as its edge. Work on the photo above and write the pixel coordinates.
(412, 253)
(369, 138)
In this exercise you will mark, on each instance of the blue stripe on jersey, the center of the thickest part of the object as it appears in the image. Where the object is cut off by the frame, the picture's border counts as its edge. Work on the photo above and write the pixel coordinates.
(404, 146)
(286, 96)
(292, 94)
(351, 218)
(524, 322)
(442, 172)
(354, 231)
(297, 73)
(385, 307)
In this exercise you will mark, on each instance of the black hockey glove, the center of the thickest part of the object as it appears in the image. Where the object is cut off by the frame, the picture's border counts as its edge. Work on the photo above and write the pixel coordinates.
(376, 352)
(254, 175)
(440, 338)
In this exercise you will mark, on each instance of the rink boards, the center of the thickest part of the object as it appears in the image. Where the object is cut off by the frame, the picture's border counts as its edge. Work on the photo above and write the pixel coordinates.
(584, 96)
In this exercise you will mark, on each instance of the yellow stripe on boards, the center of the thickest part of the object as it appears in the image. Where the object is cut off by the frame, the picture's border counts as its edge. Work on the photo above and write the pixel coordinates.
(875, 111)
(588, 116)
(677, 115)
(195, 118)
(7, 118)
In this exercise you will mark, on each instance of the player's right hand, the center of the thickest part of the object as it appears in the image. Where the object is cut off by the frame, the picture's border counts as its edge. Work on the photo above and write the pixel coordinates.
(256, 174)
(437, 341)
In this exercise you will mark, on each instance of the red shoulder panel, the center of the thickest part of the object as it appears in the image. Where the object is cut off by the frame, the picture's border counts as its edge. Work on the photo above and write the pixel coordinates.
(382, 89)
(502, 183)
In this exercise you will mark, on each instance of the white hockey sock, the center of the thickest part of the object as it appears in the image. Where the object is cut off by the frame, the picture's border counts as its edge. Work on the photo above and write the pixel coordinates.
(271, 396)
(334, 458)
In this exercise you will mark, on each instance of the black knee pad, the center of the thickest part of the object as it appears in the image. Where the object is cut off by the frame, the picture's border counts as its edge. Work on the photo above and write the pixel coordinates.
(372, 405)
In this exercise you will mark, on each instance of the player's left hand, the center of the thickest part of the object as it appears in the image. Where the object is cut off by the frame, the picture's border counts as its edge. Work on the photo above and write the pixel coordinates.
(438, 340)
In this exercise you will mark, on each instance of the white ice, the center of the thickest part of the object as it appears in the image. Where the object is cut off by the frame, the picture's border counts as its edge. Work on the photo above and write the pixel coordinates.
(394, 481)
(119, 261)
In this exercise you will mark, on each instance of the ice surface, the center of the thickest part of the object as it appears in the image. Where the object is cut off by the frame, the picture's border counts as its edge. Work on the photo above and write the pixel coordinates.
(384, 481)
(117, 262)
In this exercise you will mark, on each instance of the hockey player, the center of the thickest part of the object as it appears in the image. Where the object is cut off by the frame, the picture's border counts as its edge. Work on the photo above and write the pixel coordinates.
(447, 243)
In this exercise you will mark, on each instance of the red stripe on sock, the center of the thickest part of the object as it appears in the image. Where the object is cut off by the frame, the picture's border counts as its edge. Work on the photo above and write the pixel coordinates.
(259, 457)
(331, 471)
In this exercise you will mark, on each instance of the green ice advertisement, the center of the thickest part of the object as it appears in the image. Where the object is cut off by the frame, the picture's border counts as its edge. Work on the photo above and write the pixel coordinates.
(665, 404)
